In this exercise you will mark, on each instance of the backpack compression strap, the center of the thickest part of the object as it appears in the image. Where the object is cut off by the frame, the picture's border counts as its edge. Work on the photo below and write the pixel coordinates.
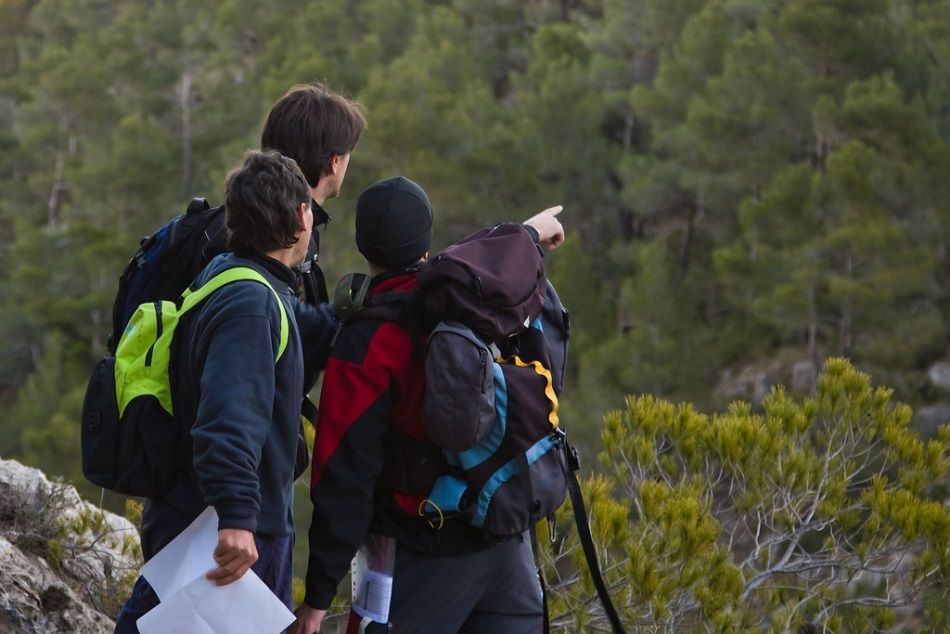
(190, 298)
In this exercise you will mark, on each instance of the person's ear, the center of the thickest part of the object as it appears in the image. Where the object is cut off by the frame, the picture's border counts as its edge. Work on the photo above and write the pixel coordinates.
(333, 165)
(302, 212)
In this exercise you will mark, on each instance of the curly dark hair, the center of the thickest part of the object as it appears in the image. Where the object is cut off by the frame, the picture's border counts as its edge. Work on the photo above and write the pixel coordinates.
(261, 200)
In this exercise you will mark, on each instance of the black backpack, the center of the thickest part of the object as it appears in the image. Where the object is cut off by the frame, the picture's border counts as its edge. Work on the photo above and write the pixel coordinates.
(163, 267)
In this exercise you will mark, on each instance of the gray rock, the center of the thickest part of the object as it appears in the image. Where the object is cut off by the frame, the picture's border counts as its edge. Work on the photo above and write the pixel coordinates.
(749, 384)
(939, 375)
(34, 599)
(929, 418)
(804, 377)
(94, 551)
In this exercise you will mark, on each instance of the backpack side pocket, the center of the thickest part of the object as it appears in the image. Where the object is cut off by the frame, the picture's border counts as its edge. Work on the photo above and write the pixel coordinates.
(148, 451)
(100, 426)
(459, 406)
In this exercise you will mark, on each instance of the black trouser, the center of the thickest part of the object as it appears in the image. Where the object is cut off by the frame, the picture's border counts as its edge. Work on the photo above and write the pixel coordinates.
(494, 591)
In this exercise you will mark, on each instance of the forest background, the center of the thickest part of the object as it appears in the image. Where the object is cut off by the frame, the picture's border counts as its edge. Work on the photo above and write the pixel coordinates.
(750, 186)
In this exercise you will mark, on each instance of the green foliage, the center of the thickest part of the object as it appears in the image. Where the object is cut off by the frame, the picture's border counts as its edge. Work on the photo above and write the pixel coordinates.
(822, 511)
(745, 182)
(740, 178)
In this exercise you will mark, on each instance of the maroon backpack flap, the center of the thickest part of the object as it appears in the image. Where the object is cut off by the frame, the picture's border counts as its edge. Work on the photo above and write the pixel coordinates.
(492, 281)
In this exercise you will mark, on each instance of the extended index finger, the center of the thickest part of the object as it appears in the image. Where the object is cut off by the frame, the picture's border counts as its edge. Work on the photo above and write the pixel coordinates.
(555, 210)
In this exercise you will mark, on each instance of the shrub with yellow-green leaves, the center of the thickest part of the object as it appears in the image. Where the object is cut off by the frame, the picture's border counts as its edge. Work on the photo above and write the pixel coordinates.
(823, 514)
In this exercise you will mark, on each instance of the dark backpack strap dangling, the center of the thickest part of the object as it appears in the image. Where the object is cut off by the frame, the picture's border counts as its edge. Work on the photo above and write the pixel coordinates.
(552, 531)
(583, 532)
(546, 629)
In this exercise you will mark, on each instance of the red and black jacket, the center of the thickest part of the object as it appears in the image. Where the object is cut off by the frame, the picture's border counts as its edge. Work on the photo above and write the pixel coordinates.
(372, 462)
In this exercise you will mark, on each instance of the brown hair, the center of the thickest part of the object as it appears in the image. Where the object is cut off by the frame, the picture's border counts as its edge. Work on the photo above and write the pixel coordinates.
(310, 124)
(261, 200)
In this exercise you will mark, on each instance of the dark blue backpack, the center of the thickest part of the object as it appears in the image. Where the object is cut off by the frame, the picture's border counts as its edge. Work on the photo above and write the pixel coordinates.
(168, 261)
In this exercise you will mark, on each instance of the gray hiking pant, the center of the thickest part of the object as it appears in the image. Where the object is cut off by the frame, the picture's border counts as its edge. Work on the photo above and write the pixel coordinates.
(493, 591)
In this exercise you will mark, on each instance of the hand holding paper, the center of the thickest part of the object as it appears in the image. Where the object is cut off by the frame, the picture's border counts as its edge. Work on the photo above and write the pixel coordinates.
(191, 602)
(235, 553)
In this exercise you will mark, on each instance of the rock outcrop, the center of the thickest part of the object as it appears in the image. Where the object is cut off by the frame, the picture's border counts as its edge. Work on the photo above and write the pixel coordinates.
(62, 559)
(929, 418)
(938, 375)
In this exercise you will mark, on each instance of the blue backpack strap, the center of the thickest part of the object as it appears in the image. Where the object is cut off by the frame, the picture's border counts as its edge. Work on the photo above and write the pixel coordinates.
(486, 449)
(445, 499)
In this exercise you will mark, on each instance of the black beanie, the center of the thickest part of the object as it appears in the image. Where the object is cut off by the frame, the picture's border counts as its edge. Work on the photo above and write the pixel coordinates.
(393, 223)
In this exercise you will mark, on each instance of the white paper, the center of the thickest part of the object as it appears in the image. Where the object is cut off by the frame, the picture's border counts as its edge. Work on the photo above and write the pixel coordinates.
(373, 596)
(187, 557)
(201, 607)
(189, 602)
(372, 577)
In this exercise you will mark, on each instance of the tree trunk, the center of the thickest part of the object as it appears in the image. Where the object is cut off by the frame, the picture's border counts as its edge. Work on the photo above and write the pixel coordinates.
(812, 328)
(847, 315)
(695, 209)
(52, 207)
(60, 186)
(186, 132)
(629, 125)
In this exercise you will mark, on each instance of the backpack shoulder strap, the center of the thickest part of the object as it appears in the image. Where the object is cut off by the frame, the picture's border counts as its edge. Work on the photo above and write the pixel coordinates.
(350, 294)
(390, 306)
(352, 301)
(198, 205)
(191, 298)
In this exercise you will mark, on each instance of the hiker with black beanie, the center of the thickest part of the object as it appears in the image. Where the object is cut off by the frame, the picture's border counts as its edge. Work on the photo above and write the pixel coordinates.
(372, 459)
